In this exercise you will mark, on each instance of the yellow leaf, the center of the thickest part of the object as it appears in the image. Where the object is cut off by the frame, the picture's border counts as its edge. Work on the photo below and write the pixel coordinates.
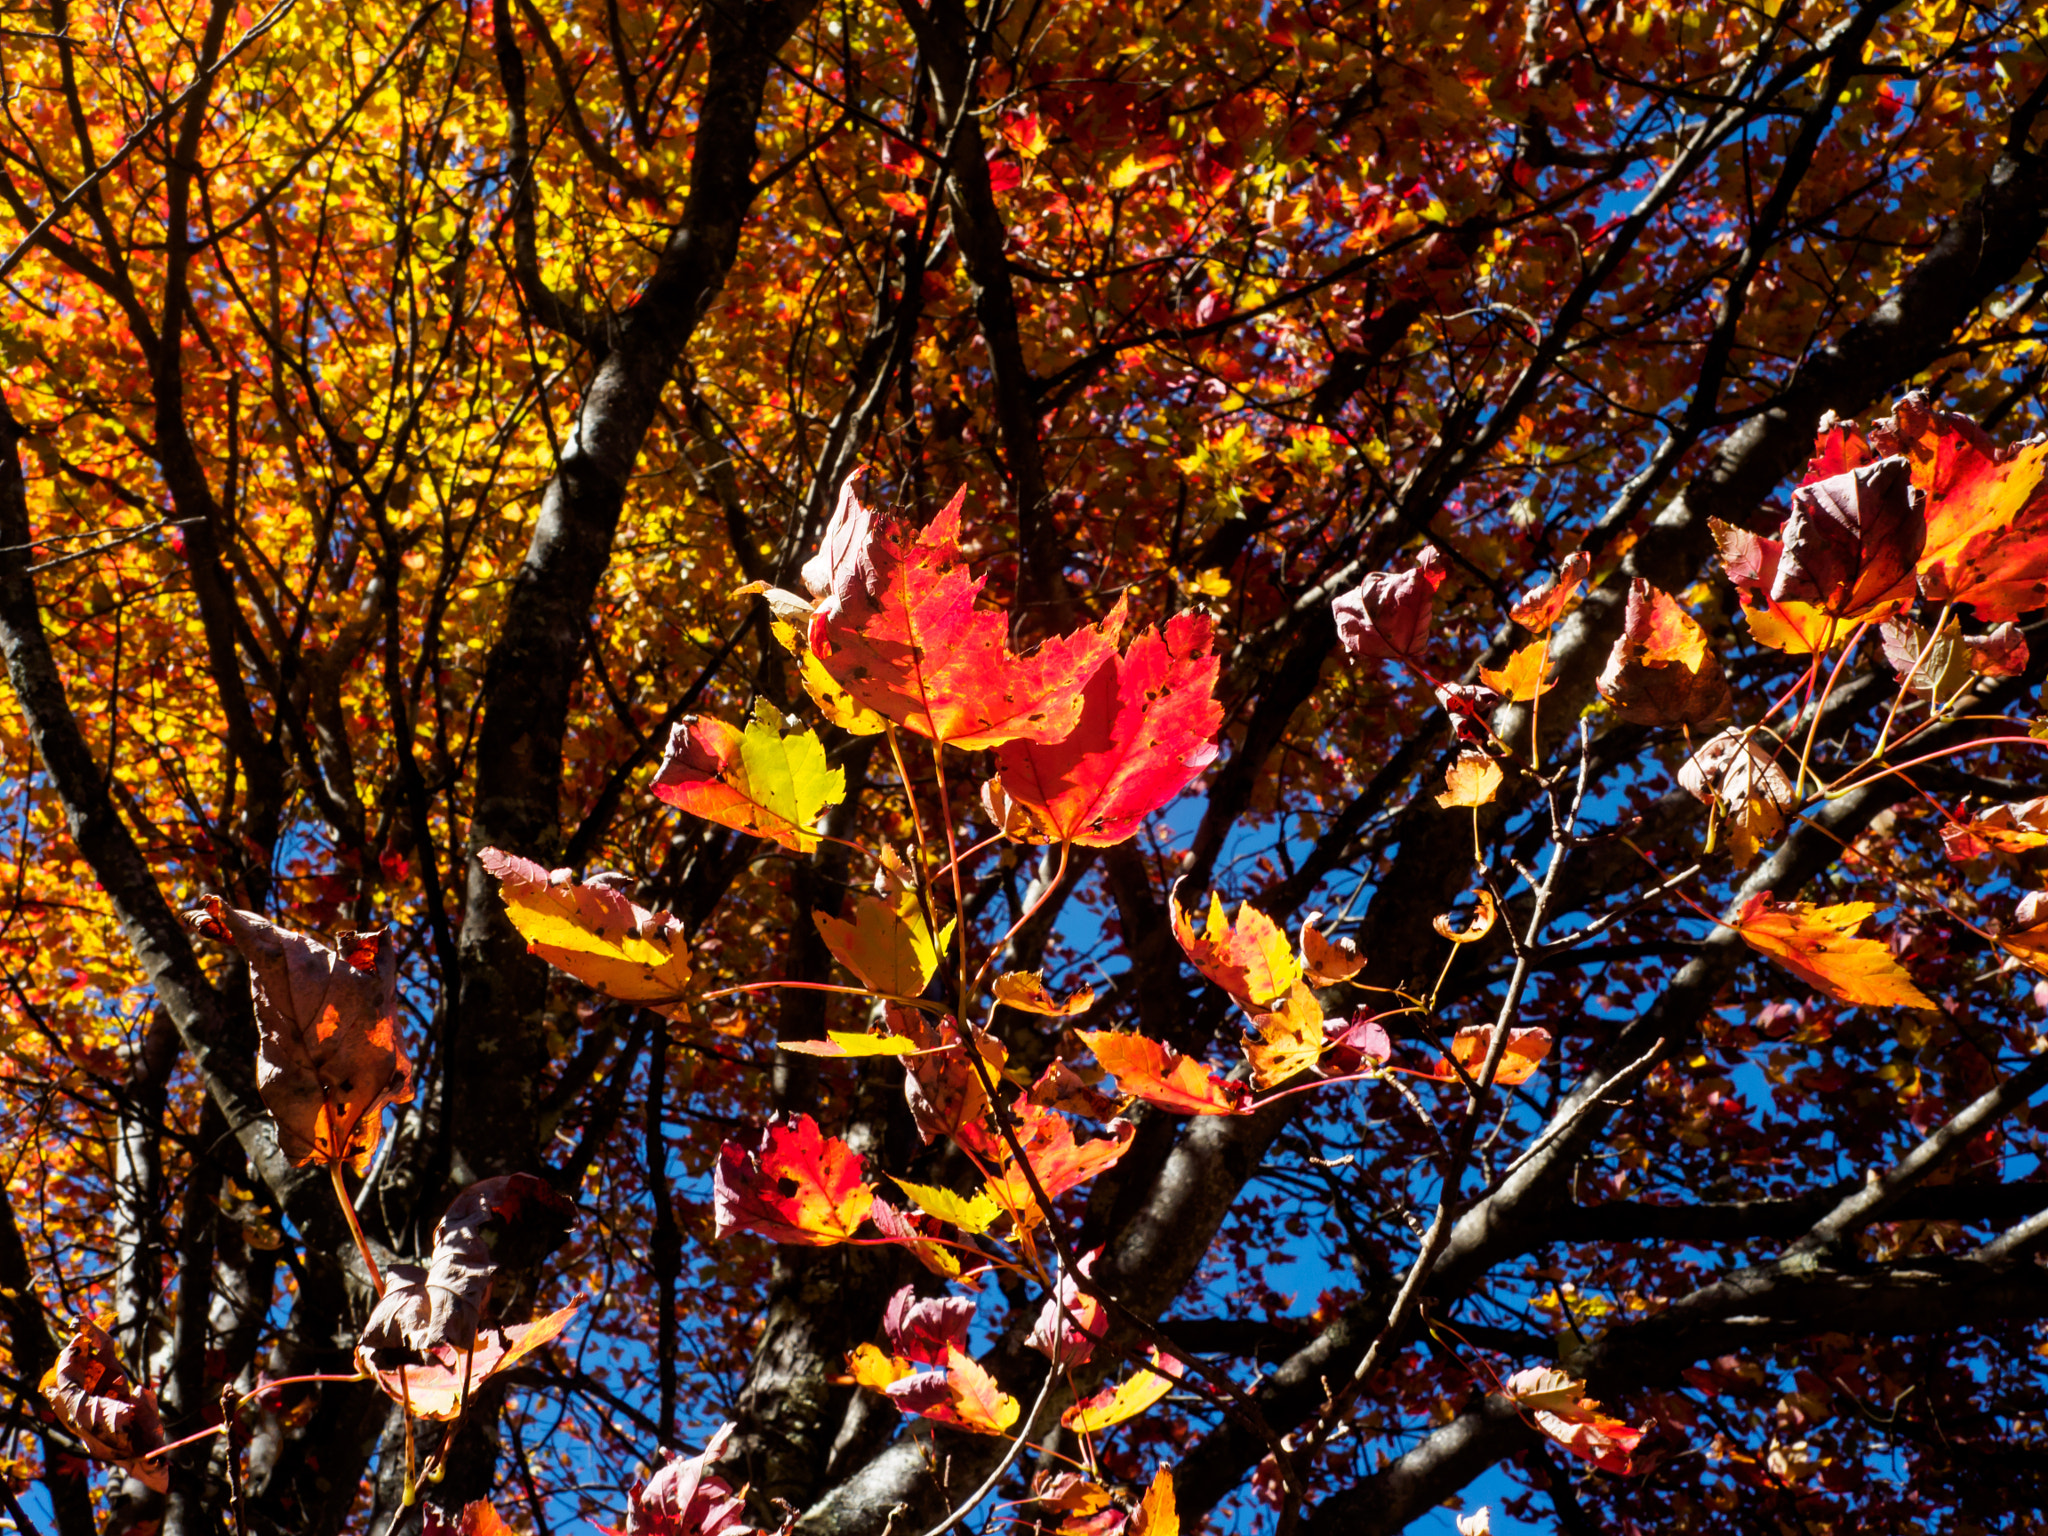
(1797, 629)
(1027, 990)
(887, 944)
(870, 1368)
(850, 1042)
(1157, 1514)
(1126, 1400)
(1471, 781)
(970, 1213)
(596, 934)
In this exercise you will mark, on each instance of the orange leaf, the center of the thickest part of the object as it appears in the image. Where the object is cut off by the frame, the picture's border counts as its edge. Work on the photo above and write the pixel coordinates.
(1148, 1070)
(1485, 913)
(595, 933)
(1252, 960)
(1060, 1163)
(897, 627)
(1522, 678)
(764, 779)
(1660, 671)
(792, 1184)
(1126, 1400)
(328, 1058)
(1327, 961)
(1525, 1051)
(1797, 629)
(1815, 944)
(978, 1403)
(1027, 990)
(1561, 1409)
(1546, 605)
(1157, 1514)
(1987, 511)
(1470, 782)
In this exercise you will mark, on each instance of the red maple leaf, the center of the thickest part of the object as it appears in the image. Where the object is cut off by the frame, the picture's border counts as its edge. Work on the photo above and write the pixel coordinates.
(1388, 614)
(897, 627)
(1148, 725)
(791, 1183)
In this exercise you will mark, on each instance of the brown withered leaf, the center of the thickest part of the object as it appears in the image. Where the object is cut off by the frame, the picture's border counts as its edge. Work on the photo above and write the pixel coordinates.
(1660, 671)
(1853, 541)
(92, 1394)
(1734, 771)
(328, 1058)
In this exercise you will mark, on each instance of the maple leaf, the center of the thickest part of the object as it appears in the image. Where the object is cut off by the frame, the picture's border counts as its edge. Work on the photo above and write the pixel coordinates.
(1817, 945)
(760, 780)
(1059, 1162)
(791, 1184)
(1250, 959)
(1127, 1399)
(888, 944)
(1987, 511)
(1157, 1513)
(1388, 614)
(916, 1234)
(2000, 653)
(897, 627)
(1059, 1086)
(1350, 1043)
(328, 1058)
(1148, 725)
(441, 1387)
(970, 1213)
(1071, 1323)
(2008, 829)
(941, 1086)
(1471, 781)
(925, 1328)
(1558, 1404)
(685, 1498)
(963, 1394)
(1290, 1038)
(595, 933)
(1660, 671)
(1749, 559)
(1853, 540)
(513, 1218)
(1797, 629)
(92, 1395)
(1027, 990)
(1327, 961)
(1525, 1051)
(1147, 1070)
(850, 1042)
(1933, 667)
(1522, 678)
(1547, 604)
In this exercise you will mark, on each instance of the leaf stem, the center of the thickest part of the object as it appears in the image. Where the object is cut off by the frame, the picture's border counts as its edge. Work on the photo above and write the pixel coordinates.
(348, 1209)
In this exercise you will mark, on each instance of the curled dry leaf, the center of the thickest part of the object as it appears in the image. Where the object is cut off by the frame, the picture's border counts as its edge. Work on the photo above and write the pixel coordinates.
(1148, 725)
(1853, 541)
(1561, 1409)
(1147, 1070)
(450, 1377)
(595, 933)
(93, 1396)
(1250, 959)
(1547, 604)
(790, 1183)
(685, 1498)
(328, 1059)
(1736, 773)
(1660, 671)
(766, 779)
(513, 1219)
(897, 628)
(1127, 1399)
(1485, 912)
(1817, 944)
(1470, 782)
(1027, 990)
(1326, 961)
(1525, 1051)
(1388, 614)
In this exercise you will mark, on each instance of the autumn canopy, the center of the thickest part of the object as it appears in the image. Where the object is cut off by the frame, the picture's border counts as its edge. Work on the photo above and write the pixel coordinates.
(864, 770)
